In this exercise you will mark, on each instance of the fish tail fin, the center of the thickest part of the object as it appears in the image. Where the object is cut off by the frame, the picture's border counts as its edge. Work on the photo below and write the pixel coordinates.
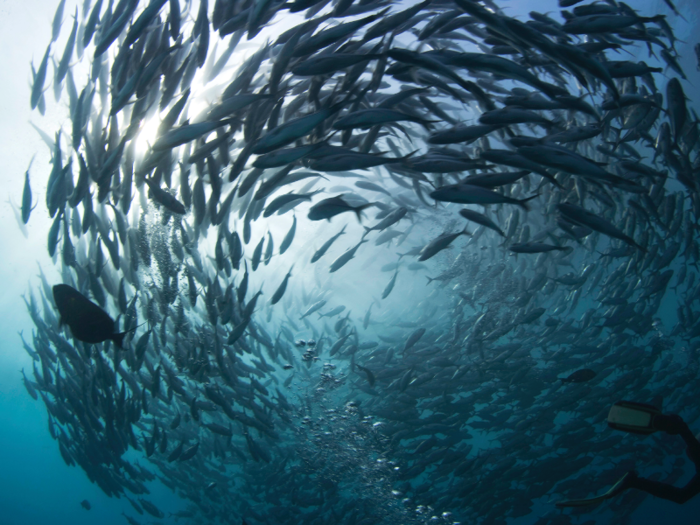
(406, 157)
(523, 202)
(119, 338)
(360, 209)
(430, 280)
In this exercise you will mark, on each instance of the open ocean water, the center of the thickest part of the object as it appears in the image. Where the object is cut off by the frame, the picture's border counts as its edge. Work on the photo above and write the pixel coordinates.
(418, 401)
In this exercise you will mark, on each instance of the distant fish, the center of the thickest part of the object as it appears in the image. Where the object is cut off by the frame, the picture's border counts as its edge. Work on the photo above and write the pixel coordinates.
(313, 308)
(87, 321)
(27, 207)
(535, 247)
(368, 372)
(323, 249)
(413, 339)
(85, 504)
(39, 79)
(580, 376)
(281, 289)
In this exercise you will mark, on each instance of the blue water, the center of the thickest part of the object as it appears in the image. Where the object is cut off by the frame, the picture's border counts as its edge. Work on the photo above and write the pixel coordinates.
(36, 487)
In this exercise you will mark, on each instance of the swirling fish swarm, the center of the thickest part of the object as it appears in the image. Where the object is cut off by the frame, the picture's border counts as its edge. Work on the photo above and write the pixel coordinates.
(537, 163)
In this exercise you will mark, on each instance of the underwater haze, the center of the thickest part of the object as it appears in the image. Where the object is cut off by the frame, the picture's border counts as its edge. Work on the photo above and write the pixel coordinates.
(354, 262)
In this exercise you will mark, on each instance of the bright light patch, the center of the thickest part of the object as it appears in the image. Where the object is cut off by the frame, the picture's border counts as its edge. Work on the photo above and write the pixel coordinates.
(147, 136)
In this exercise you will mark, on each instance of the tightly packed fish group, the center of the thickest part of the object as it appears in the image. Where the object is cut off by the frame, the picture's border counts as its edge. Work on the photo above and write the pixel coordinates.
(562, 148)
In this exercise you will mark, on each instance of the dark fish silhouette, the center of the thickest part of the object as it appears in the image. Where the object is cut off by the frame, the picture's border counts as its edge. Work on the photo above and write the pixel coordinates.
(85, 504)
(87, 321)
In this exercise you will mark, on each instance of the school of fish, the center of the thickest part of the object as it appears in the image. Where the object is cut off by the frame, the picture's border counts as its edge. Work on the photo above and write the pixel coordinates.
(542, 174)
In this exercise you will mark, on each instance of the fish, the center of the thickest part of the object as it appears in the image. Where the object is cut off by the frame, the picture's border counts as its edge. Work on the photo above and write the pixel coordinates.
(85, 504)
(151, 508)
(313, 308)
(326, 245)
(289, 237)
(335, 311)
(27, 207)
(413, 339)
(580, 376)
(283, 201)
(345, 258)
(535, 247)
(583, 217)
(329, 208)
(61, 70)
(462, 134)
(390, 285)
(471, 194)
(39, 80)
(371, 378)
(479, 218)
(165, 199)
(438, 244)
(292, 130)
(389, 220)
(87, 321)
(277, 296)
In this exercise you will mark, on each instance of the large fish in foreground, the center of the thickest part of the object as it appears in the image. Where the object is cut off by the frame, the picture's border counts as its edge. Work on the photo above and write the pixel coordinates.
(87, 322)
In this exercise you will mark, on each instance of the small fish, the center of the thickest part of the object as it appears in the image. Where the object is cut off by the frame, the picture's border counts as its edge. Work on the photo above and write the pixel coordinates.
(479, 218)
(150, 507)
(437, 245)
(56, 30)
(287, 241)
(313, 308)
(281, 289)
(324, 248)
(345, 258)
(332, 313)
(535, 247)
(470, 194)
(413, 339)
(27, 207)
(39, 80)
(85, 504)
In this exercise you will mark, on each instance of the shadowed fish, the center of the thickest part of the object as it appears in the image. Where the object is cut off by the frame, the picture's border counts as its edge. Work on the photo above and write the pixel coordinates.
(87, 321)
(328, 208)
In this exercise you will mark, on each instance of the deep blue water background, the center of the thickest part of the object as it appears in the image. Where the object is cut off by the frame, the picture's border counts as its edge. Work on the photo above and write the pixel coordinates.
(36, 487)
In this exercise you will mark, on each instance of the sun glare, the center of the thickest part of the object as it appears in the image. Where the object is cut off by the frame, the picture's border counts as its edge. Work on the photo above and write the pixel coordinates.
(147, 136)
